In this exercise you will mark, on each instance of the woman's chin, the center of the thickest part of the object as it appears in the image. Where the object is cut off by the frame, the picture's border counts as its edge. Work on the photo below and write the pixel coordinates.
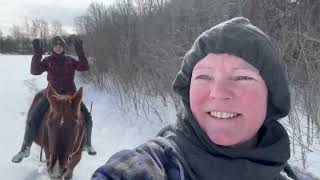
(223, 140)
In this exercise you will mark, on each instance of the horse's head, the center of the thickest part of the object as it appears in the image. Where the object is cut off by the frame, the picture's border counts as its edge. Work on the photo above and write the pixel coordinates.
(65, 127)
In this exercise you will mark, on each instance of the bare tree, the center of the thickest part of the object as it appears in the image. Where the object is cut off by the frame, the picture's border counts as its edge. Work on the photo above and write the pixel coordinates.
(16, 32)
(56, 28)
(80, 24)
(97, 13)
(27, 28)
(39, 28)
(43, 29)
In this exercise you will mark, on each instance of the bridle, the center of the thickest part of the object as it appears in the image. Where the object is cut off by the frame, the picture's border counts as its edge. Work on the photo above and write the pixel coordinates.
(74, 149)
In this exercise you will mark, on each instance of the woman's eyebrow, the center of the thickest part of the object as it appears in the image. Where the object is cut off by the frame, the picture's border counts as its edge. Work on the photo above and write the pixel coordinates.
(252, 69)
(202, 67)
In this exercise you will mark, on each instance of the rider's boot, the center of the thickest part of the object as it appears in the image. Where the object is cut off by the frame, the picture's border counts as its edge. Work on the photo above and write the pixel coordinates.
(32, 125)
(26, 145)
(88, 123)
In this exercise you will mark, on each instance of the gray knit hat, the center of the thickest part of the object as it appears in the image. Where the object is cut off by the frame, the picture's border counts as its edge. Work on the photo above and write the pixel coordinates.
(240, 38)
(58, 40)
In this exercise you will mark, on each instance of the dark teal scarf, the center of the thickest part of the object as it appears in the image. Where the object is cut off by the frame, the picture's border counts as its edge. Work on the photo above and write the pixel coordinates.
(204, 160)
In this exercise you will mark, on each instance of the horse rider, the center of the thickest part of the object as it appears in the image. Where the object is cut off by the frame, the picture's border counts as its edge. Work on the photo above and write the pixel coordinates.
(60, 74)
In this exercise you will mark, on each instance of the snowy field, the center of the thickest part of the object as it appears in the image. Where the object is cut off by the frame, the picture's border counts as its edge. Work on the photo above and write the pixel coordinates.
(113, 130)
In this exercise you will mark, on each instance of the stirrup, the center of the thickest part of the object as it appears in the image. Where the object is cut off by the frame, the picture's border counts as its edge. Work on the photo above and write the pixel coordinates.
(21, 154)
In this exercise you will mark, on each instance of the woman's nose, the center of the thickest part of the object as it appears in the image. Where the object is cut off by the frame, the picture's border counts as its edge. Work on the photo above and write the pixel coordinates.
(221, 89)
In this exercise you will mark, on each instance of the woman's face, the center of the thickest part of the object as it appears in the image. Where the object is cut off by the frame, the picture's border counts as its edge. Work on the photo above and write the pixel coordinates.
(58, 48)
(228, 98)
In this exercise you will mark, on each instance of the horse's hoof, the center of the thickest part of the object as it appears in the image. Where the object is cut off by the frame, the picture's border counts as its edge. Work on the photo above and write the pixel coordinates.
(68, 177)
(90, 150)
(92, 153)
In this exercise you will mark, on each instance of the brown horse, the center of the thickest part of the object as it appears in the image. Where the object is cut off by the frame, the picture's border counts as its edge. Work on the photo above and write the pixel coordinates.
(62, 134)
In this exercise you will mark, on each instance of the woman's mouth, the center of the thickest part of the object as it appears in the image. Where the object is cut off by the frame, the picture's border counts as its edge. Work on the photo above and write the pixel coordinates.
(223, 115)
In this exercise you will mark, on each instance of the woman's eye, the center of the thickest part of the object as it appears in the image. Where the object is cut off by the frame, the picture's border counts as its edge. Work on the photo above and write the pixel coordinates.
(239, 78)
(204, 77)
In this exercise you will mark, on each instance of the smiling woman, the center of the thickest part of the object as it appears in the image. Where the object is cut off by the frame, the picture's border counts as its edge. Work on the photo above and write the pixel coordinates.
(224, 91)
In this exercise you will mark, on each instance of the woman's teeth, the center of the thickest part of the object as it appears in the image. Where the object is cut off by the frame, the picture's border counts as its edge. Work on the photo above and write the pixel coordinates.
(223, 115)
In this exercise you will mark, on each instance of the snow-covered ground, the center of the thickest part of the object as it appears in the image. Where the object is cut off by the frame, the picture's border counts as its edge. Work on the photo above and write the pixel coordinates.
(309, 153)
(113, 130)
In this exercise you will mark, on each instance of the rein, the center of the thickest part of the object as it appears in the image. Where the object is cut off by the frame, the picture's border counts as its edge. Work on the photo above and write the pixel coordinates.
(74, 145)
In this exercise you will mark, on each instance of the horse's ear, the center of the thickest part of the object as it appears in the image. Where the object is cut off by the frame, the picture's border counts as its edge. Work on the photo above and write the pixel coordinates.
(77, 98)
(51, 93)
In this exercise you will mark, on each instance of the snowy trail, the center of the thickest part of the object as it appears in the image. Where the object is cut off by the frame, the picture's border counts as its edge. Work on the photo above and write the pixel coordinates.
(113, 129)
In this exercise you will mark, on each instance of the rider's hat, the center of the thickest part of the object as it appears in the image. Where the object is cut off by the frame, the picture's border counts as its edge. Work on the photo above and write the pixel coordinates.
(58, 40)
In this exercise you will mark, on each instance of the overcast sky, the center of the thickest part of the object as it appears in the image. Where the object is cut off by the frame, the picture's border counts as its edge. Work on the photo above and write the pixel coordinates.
(15, 11)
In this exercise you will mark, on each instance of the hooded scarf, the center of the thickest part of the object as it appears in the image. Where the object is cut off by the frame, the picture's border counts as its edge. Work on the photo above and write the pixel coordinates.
(58, 40)
(199, 156)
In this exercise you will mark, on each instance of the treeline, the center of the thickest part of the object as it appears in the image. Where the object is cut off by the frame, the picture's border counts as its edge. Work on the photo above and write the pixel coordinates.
(20, 36)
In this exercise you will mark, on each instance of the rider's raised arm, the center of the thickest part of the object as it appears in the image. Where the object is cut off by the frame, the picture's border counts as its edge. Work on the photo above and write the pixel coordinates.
(82, 64)
(37, 66)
